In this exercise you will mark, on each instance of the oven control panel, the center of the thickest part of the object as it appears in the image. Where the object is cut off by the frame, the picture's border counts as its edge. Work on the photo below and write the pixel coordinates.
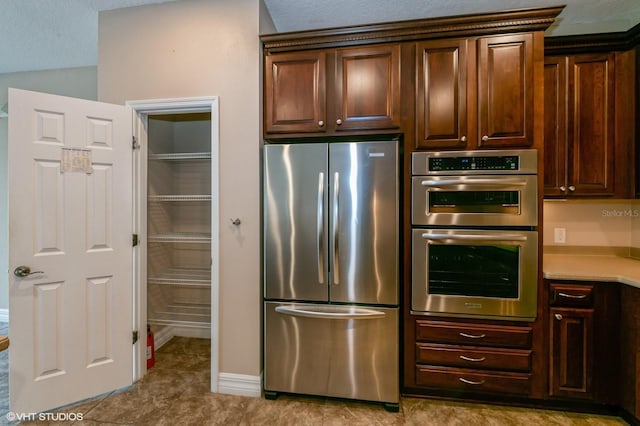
(512, 162)
(438, 164)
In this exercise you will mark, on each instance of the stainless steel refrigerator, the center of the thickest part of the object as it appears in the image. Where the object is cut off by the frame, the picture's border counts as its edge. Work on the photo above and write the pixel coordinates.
(331, 290)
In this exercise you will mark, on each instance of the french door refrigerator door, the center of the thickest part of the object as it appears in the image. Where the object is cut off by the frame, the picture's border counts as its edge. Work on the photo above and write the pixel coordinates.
(363, 223)
(295, 222)
(332, 350)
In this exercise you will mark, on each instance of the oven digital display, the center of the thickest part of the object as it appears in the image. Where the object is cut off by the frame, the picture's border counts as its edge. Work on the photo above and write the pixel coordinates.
(507, 162)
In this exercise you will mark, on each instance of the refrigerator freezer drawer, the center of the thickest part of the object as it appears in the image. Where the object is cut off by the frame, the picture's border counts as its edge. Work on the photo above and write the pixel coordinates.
(329, 350)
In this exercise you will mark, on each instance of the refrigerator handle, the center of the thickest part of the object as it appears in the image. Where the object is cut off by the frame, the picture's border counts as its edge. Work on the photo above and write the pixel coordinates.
(335, 230)
(320, 228)
(359, 313)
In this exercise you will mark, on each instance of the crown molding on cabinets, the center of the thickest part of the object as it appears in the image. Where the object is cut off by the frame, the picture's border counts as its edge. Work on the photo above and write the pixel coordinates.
(521, 20)
(593, 43)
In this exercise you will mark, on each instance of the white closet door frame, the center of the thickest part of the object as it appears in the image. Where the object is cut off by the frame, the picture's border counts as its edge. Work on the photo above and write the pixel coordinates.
(141, 111)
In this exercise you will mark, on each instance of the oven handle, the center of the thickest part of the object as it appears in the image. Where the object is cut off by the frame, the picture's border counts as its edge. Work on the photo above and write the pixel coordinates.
(474, 181)
(467, 237)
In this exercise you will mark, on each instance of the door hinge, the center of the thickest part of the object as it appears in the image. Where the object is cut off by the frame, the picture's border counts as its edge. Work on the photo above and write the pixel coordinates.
(134, 143)
(135, 337)
(134, 240)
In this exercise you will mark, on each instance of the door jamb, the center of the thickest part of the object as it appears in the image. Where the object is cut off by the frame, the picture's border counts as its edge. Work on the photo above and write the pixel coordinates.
(140, 110)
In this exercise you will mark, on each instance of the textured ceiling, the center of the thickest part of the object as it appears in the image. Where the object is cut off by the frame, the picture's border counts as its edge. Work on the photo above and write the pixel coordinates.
(44, 34)
(578, 17)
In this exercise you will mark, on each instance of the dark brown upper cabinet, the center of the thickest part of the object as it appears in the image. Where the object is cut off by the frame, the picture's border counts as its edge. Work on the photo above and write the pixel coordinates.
(295, 92)
(441, 94)
(367, 88)
(505, 91)
(332, 91)
(475, 93)
(587, 149)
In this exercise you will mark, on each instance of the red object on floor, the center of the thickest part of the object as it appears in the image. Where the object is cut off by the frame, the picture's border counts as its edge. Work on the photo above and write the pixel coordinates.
(151, 353)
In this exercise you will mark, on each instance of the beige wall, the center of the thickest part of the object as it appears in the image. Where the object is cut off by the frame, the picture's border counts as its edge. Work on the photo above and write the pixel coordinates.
(613, 223)
(205, 48)
(75, 82)
(635, 225)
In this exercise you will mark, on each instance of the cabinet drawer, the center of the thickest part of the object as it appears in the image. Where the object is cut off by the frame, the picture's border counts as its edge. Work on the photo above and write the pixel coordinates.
(473, 380)
(470, 357)
(571, 295)
(473, 334)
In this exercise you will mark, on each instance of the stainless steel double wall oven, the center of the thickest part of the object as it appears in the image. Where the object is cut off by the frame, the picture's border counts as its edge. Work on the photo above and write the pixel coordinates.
(474, 234)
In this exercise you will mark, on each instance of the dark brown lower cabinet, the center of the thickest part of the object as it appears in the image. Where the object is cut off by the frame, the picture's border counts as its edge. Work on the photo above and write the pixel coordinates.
(471, 380)
(584, 341)
(589, 334)
(473, 357)
(630, 350)
(571, 367)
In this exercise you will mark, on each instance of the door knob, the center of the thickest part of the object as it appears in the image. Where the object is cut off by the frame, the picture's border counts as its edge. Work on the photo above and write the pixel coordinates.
(25, 271)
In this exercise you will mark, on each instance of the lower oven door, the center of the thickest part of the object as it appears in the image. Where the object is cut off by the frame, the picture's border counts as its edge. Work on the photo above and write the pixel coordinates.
(475, 273)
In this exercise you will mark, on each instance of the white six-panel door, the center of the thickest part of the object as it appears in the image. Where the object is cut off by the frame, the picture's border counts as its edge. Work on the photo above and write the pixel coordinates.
(71, 319)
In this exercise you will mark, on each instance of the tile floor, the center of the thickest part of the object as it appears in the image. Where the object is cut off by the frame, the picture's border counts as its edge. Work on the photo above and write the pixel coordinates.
(176, 392)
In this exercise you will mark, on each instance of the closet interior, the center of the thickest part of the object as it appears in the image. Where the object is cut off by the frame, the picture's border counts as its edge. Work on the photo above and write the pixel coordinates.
(179, 224)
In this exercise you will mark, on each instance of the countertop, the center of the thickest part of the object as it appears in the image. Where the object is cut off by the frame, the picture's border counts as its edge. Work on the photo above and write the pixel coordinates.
(587, 267)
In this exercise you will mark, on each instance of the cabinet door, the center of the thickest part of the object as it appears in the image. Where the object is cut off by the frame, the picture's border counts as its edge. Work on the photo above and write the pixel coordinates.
(630, 349)
(555, 125)
(295, 92)
(591, 131)
(441, 94)
(505, 91)
(367, 88)
(571, 352)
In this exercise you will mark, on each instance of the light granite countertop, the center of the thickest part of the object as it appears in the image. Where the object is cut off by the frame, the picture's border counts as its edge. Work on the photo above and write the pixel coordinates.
(587, 267)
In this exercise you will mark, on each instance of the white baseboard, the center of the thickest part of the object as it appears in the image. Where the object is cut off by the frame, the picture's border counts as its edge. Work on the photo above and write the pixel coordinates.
(228, 383)
(201, 333)
(4, 315)
(165, 334)
(239, 384)
(161, 337)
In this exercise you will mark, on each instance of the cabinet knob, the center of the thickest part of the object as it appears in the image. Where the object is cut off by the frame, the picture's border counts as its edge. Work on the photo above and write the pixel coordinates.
(321, 123)
(463, 139)
(558, 317)
(572, 188)
(563, 188)
(485, 138)
(338, 122)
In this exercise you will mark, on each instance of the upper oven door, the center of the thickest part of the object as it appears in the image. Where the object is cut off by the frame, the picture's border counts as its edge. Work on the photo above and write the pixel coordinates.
(484, 200)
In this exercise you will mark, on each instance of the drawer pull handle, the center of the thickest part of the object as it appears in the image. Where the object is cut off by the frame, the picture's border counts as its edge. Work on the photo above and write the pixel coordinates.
(572, 296)
(466, 358)
(473, 336)
(470, 382)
